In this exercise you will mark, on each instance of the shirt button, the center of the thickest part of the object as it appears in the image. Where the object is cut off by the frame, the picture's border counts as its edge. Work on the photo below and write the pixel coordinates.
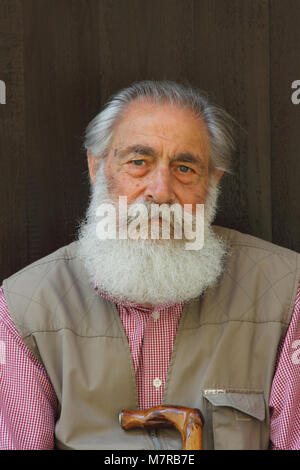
(155, 315)
(157, 383)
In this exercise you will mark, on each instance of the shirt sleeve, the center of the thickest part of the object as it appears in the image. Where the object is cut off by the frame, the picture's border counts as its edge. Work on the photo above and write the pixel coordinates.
(285, 392)
(28, 402)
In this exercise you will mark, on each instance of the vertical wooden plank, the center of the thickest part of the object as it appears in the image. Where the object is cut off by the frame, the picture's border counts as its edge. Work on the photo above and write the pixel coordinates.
(285, 68)
(148, 39)
(61, 53)
(13, 218)
(231, 60)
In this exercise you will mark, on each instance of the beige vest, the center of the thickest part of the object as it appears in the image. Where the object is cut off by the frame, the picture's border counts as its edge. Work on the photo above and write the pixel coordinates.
(223, 359)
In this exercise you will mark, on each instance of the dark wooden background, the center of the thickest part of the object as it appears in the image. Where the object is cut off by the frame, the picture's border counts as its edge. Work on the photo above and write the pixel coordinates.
(61, 60)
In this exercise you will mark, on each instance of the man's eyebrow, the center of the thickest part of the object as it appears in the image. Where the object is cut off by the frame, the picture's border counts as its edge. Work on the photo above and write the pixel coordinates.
(188, 158)
(141, 149)
(137, 148)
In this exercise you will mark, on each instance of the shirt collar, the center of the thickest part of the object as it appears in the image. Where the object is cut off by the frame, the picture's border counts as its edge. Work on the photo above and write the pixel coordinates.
(127, 303)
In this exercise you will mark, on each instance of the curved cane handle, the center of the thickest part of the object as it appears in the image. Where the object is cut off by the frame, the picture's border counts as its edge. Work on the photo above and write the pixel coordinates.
(188, 421)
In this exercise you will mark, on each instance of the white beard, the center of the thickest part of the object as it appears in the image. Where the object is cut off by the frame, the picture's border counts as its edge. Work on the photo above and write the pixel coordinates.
(149, 271)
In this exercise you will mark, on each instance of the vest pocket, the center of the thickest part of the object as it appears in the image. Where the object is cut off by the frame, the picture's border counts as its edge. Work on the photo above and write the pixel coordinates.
(236, 419)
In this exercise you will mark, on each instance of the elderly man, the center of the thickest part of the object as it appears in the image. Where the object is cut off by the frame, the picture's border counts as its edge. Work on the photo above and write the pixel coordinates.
(108, 323)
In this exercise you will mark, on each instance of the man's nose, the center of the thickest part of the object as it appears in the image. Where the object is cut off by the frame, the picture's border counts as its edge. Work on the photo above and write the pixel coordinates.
(159, 189)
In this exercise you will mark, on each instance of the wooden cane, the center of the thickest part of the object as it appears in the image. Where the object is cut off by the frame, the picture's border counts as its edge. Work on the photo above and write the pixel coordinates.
(188, 421)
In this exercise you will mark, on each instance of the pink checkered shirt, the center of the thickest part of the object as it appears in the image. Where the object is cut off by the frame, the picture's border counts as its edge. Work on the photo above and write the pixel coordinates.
(28, 404)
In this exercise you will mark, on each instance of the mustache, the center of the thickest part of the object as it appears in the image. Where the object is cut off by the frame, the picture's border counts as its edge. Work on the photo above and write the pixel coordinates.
(150, 214)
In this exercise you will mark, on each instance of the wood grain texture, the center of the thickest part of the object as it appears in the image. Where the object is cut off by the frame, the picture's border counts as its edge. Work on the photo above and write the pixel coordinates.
(14, 170)
(62, 59)
(231, 61)
(59, 94)
(285, 118)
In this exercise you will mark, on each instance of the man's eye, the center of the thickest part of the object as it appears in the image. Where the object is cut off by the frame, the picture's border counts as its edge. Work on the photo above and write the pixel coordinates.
(138, 162)
(184, 169)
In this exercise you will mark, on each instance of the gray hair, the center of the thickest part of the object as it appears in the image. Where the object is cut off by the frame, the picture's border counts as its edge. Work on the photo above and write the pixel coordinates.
(219, 123)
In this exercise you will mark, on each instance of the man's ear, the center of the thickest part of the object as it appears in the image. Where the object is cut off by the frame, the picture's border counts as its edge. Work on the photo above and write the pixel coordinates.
(93, 164)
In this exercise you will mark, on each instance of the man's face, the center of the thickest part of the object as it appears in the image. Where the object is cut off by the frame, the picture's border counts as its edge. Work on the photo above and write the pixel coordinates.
(159, 153)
